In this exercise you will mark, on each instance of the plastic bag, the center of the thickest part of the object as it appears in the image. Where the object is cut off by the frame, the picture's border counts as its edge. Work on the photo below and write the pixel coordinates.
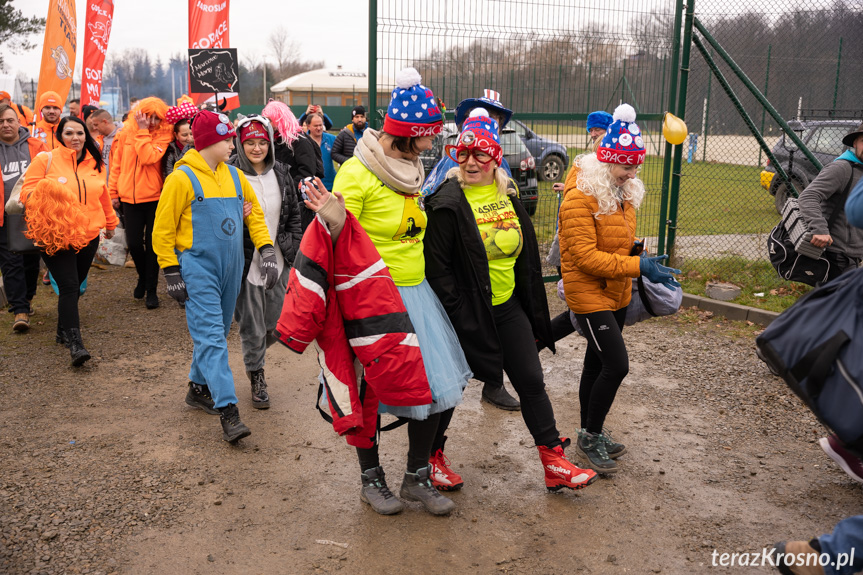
(113, 251)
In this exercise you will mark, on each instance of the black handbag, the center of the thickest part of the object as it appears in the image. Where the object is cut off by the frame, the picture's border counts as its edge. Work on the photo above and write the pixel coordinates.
(16, 241)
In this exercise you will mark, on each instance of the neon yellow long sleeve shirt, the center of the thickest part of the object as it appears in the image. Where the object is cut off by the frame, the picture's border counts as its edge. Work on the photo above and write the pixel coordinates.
(173, 226)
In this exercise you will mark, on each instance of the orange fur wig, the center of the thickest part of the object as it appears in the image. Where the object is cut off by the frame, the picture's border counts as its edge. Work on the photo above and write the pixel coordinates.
(164, 133)
(55, 218)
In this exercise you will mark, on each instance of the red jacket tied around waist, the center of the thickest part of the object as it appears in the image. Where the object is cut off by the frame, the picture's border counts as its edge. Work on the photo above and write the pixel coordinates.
(344, 298)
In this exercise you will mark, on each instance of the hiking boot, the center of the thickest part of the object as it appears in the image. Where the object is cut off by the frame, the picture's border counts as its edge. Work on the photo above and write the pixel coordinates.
(613, 449)
(418, 487)
(500, 398)
(442, 475)
(199, 397)
(76, 347)
(593, 446)
(140, 289)
(560, 472)
(233, 429)
(376, 493)
(21, 323)
(849, 462)
(260, 397)
(152, 301)
(798, 557)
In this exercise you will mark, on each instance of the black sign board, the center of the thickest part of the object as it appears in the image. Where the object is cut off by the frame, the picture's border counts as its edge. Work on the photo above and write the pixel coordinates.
(213, 71)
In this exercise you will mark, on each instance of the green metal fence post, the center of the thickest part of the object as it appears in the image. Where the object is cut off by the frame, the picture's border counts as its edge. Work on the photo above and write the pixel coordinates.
(757, 93)
(681, 113)
(740, 110)
(559, 86)
(838, 65)
(766, 84)
(706, 122)
(511, 85)
(622, 83)
(373, 62)
(672, 104)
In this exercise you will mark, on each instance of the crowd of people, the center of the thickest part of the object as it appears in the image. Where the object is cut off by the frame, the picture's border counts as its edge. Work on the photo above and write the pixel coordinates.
(221, 208)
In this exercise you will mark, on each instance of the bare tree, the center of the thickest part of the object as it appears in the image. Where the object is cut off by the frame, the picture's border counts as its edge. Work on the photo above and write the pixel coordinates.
(282, 48)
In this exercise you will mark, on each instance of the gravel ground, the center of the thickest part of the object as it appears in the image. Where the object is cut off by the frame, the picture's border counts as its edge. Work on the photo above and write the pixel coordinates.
(105, 470)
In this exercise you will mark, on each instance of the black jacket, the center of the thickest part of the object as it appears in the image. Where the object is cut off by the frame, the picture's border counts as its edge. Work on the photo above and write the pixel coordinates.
(303, 158)
(289, 233)
(170, 158)
(346, 142)
(457, 270)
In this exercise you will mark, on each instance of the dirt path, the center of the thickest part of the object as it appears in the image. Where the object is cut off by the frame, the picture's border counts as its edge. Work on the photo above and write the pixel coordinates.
(105, 470)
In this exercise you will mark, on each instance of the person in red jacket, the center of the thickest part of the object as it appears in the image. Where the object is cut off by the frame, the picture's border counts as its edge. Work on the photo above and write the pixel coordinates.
(135, 185)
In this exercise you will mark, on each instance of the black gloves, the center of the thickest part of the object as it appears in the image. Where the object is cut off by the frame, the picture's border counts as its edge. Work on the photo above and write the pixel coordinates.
(269, 268)
(176, 285)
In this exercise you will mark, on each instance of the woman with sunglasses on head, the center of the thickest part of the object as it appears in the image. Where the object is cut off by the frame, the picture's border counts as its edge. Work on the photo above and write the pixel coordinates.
(599, 257)
(70, 236)
(258, 309)
(482, 260)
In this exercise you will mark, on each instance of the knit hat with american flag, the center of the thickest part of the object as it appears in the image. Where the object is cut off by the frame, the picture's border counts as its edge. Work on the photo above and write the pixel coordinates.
(490, 100)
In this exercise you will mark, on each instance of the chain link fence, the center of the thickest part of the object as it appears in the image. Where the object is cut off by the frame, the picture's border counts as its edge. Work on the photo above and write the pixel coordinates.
(553, 63)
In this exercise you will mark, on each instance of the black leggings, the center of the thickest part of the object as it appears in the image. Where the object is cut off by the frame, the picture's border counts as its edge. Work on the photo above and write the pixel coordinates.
(139, 220)
(69, 270)
(421, 434)
(606, 363)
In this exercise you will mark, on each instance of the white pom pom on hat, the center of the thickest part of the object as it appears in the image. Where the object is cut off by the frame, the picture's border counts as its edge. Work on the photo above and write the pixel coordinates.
(624, 113)
(478, 112)
(407, 78)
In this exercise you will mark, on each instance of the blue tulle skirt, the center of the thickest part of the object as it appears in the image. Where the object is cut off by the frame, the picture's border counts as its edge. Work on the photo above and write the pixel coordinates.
(446, 367)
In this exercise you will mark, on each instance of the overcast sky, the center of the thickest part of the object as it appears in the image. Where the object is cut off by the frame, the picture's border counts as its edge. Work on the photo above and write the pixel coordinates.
(335, 31)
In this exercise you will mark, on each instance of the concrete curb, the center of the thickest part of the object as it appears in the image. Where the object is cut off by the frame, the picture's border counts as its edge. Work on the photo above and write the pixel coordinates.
(731, 311)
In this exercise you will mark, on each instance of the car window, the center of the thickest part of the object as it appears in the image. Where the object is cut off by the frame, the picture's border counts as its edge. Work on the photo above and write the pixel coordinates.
(512, 144)
(828, 140)
(518, 127)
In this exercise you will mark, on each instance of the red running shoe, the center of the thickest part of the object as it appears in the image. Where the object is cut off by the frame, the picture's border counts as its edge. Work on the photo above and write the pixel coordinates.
(560, 473)
(442, 475)
(849, 462)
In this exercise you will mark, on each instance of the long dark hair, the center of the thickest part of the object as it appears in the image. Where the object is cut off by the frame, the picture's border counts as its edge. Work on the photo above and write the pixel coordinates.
(89, 143)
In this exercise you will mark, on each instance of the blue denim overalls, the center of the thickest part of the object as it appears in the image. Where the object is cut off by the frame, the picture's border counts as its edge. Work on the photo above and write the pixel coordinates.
(212, 270)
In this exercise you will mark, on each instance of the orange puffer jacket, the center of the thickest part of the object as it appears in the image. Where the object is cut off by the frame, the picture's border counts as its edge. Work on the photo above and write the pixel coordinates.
(136, 164)
(594, 253)
(87, 184)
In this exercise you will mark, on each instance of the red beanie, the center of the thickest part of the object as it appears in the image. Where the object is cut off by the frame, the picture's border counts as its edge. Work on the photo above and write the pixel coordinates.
(253, 130)
(209, 128)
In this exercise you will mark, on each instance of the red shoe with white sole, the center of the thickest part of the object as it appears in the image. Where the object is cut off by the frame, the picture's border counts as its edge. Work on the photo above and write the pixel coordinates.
(560, 472)
(442, 476)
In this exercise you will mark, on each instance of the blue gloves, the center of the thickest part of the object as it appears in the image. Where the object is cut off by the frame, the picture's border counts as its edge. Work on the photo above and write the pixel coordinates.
(175, 284)
(269, 267)
(657, 273)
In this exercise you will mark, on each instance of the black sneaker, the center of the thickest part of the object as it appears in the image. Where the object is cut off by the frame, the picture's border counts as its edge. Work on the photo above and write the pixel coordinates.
(199, 397)
(260, 398)
(140, 289)
(376, 493)
(500, 398)
(233, 429)
(613, 448)
(593, 446)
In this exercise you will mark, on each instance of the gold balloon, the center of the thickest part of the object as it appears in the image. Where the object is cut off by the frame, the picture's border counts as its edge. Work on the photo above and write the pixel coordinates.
(674, 129)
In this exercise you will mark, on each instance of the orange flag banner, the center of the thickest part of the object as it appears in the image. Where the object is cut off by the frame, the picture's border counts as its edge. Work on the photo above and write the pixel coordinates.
(58, 52)
(208, 30)
(100, 15)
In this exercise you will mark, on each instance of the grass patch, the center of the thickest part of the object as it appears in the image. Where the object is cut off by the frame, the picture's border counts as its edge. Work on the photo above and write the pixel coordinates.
(752, 276)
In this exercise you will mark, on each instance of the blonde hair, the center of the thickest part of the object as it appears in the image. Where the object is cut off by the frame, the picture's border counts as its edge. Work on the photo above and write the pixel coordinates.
(594, 179)
(55, 218)
(504, 183)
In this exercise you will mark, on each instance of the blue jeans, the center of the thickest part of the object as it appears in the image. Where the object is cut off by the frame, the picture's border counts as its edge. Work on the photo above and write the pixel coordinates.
(846, 536)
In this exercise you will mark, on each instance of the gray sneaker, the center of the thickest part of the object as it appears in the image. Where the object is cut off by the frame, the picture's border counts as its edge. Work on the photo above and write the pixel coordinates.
(593, 445)
(376, 493)
(612, 448)
(418, 487)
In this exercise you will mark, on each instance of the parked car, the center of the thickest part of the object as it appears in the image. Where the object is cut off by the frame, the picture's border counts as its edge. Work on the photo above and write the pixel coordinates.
(520, 160)
(552, 159)
(824, 140)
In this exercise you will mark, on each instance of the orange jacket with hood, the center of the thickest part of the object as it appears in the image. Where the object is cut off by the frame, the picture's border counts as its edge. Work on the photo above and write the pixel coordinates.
(136, 156)
(82, 179)
(43, 129)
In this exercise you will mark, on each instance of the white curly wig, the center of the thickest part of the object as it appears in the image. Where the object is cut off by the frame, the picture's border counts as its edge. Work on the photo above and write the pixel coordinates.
(594, 179)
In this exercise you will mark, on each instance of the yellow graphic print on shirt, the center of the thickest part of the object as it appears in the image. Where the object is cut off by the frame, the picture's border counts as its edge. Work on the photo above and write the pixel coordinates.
(499, 229)
(413, 222)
